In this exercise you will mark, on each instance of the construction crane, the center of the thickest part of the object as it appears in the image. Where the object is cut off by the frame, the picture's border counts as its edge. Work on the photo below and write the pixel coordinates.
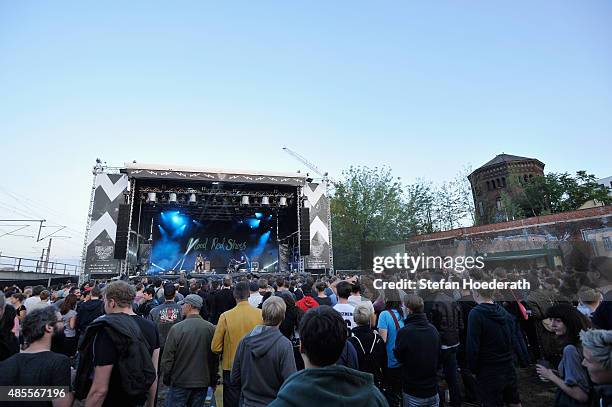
(324, 175)
(326, 180)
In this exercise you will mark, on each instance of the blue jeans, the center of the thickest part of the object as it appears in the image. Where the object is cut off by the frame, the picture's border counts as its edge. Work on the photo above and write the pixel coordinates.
(182, 397)
(411, 401)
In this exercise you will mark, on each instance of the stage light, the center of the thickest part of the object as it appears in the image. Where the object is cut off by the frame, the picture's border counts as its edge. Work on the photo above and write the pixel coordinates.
(282, 201)
(265, 200)
(253, 223)
(172, 197)
(151, 197)
(192, 198)
(258, 215)
(245, 200)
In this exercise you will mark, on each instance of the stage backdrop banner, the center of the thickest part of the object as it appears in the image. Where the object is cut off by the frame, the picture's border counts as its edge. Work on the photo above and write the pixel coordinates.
(179, 240)
(108, 195)
(319, 227)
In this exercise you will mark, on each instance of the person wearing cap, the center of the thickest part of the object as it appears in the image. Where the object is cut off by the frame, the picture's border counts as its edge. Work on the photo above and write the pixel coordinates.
(255, 297)
(187, 347)
(167, 314)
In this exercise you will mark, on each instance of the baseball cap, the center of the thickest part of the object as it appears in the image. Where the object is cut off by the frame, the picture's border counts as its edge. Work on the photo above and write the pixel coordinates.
(194, 300)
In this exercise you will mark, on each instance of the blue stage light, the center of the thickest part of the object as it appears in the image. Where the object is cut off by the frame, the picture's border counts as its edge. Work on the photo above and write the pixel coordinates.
(258, 215)
(253, 223)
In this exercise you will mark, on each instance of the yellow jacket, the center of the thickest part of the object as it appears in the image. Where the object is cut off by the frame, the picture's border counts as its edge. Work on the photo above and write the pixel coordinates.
(232, 327)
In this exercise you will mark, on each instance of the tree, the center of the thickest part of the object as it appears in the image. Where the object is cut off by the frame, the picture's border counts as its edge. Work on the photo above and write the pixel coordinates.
(449, 210)
(555, 193)
(465, 198)
(372, 205)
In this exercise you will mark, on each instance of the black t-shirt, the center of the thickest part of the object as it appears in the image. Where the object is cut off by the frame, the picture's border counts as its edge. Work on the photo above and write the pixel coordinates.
(105, 354)
(35, 369)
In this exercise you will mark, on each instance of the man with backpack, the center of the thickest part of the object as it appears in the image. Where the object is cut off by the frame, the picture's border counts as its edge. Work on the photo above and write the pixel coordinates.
(369, 345)
(121, 350)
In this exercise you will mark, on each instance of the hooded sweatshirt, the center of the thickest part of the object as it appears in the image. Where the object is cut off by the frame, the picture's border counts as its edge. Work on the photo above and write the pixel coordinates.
(263, 361)
(330, 386)
(489, 338)
(307, 303)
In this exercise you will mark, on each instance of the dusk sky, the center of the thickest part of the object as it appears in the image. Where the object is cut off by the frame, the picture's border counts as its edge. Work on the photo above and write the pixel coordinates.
(423, 87)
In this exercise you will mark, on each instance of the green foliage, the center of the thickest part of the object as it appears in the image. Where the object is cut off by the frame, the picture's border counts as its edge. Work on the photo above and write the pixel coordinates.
(372, 205)
(555, 193)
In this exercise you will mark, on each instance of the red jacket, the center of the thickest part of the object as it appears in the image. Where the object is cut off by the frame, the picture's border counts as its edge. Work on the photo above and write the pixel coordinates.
(306, 303)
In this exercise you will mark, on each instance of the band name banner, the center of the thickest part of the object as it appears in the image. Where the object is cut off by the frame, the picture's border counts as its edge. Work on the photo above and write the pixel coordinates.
(108, 195)
(319, 227)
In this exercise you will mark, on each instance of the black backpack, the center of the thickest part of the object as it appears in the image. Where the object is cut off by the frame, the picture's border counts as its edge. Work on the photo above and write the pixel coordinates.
(135, 365)
(367, 358)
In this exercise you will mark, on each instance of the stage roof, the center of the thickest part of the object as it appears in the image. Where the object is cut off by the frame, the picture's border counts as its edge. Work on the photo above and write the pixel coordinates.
(175, 172)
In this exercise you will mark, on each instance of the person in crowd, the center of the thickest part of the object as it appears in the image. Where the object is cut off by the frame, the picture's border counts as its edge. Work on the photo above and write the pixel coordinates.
(589, 301)
(321, 297)
(417, 348)
(166, 315)
(290, 324)
(390, 321)
(69, 316)
(139, 294)
(356, 298)
(223, 300)
(369, 345)
(211, 300)
(572, 381)
(307, 302)
(466, 304)
(330, 291)
(264, 358)
(37, 365)
(202, 289)
(89, 310)
(9, 343)
(178, 297)
(232, 327)
(282, 286)
(445, 314)
(489, 351)
(183, 289)
(343, 290)
(148, 302)
(255, 297)
(322, 383)
(35, 298)
(187, 365)
(104, 355)
(601, 267)
(158, 285)
(597, 352)
(17, 301)
(262, 283)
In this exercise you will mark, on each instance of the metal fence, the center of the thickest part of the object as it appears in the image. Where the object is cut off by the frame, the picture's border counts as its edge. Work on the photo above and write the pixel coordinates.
(8, 263)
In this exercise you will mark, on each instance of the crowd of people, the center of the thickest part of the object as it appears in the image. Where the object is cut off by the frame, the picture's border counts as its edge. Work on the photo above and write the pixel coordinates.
(301, 340)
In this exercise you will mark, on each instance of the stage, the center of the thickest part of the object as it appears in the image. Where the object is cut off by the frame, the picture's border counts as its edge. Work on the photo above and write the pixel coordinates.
(169, 219)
